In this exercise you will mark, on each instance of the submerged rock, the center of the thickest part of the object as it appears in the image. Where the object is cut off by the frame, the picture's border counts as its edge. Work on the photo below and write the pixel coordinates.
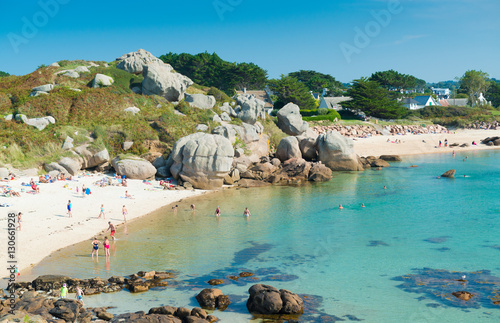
(450, 173)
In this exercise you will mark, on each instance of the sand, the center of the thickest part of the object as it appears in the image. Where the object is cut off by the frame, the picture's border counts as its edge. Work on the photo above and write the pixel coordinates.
(46, 226)
(422, 144)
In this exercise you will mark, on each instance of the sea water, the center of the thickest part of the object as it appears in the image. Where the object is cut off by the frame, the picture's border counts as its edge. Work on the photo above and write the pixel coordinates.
(297, 238)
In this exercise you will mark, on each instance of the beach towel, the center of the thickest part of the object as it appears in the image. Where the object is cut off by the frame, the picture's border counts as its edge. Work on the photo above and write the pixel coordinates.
(4, 205)
(87, 191)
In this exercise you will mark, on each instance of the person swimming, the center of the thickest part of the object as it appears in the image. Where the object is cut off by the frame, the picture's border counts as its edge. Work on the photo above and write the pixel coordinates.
(341, 207)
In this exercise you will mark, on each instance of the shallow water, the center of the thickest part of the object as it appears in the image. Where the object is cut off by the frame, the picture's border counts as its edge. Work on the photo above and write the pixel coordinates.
(298, 239)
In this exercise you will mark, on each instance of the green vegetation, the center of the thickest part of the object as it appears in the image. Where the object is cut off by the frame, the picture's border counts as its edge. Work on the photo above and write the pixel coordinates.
(493, 94)
(371, 98)
(473, 83)
(456, 116)
(320, 114)
(2, 74)
(210, 70)
(273, 132)
(392, 80)
(288, 89)
(316, 82)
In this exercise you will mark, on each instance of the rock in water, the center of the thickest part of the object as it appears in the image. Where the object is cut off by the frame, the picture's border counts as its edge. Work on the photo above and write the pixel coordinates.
(290, 120)
(202, 160)
(134, 168)
(320, 173)
(200, 101)
(288, 148)
(207, 298)
(393, 158)
(337, 152)
(160, 80)
(450, 173)
(133, 62)
(268, 300)
(101, 80)
(251, 108)
(464, 296)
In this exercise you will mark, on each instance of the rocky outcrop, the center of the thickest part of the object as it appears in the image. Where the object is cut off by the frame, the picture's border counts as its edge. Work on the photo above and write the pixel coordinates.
(320, 173)
(288, 148)
(491, 141)
(71, 74)
(82, 69)
(134, 62)
(290, 120)
(133, 110)
(134, 168)
(39, 123)
(92, 159)
(72, 165)
(202, 160)
(66, 309)
(337, 152)
(44, 88)
(391, 158)
(200, 101)
(101, 80)
(251, 108)
(450, 173)
(212, 298)
(307, 147)
(159, 79)
(267, 300)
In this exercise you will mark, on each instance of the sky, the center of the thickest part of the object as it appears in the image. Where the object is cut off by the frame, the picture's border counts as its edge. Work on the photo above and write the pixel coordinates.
(430, 39)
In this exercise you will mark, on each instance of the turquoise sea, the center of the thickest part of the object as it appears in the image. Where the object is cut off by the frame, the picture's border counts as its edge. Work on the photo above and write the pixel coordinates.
(297, 238)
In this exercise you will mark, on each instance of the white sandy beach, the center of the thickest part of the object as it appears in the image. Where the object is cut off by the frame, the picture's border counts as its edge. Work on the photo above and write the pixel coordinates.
(422, 144)
(46, 226)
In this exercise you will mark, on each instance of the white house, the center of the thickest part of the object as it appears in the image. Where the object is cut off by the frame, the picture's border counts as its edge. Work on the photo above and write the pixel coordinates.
(410, 103)
(441, 93)
(333, 102)
(424, 101)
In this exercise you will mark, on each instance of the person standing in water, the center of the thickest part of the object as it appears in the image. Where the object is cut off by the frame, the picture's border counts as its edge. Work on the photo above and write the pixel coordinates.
(106, 246)
(124, 212)
(79, 294)
(217, 211)
(112, 228)
(246, 212)
(95, 247)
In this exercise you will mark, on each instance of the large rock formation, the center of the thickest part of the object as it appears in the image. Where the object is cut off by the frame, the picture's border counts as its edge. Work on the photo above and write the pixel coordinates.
(202, 160)
(290, 120)
(337, 152)
(159, 79)
(308, 147)
(72, 165)
(134, 168)
(251, 108)
(288, 148)
(133, 62)
(200, 101)
(268, 300)
(92, 159)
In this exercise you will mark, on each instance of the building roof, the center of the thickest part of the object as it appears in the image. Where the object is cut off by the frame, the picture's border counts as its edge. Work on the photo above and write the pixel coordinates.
(443, 102)
(334, 102)
(458, 102)
(409, 101)
(261, 95)
(422, 99)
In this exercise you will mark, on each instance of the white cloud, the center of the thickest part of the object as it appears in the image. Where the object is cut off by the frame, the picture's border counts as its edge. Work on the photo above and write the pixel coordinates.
(407, 38)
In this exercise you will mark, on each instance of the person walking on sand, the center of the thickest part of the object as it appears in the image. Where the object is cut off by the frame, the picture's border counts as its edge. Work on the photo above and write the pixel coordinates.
(106, 246)
(83, 190)
(95, 247)
(217, 211)
(112, 228)
(79, 295)
(246, 212)
(64, 291)
(69, 209)
(124, 212)
(102, 212)
(19, 220)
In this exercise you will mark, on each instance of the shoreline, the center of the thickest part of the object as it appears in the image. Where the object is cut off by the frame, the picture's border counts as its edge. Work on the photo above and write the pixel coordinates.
(47, 228)
(46, 225)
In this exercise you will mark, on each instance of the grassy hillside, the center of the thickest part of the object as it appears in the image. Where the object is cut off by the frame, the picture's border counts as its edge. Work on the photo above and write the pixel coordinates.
(89, 115)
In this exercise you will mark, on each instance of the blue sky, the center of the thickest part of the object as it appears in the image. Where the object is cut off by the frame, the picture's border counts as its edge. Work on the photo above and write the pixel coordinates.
(433, 40)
